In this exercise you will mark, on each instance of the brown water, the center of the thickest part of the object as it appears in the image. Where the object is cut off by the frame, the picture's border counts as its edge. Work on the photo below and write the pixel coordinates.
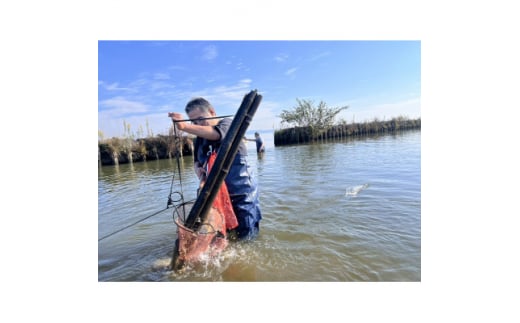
(337, 211)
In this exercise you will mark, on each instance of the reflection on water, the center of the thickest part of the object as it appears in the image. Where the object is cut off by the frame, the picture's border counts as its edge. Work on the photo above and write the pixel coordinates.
(335, 211)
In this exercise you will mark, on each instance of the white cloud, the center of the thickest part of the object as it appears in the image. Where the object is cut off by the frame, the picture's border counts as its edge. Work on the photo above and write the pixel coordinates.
(318, 56)
(120, 106)
(209, 53)
(113, 86)
(281, 57)
(160, 85)
(245, 81)
(291, 71)
(234, 92)
(241, 67)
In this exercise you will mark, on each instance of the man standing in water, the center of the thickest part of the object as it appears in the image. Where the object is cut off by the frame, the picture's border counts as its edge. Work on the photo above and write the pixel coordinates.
(240, 182)
(260, 148)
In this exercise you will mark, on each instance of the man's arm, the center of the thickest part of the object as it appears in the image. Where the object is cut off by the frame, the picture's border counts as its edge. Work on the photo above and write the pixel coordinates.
(206, 132)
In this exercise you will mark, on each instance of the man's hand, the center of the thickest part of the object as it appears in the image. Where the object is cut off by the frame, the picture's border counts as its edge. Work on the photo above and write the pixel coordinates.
(177, 117)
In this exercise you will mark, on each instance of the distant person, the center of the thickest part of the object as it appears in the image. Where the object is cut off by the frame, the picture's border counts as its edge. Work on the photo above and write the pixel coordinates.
(240, 182)
(260, 147)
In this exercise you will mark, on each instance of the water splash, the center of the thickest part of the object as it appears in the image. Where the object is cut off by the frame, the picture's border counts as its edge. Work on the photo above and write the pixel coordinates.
(208, 266)
(353, 191)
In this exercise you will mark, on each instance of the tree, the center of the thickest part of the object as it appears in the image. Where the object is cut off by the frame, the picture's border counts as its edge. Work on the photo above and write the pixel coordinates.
(318, 119)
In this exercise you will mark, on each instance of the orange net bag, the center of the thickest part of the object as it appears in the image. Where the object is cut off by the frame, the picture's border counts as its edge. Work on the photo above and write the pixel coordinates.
(222, 201)
(208, 237)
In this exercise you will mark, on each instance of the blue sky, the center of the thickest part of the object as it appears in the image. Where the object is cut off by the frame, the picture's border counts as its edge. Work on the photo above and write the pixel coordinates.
(139, 82)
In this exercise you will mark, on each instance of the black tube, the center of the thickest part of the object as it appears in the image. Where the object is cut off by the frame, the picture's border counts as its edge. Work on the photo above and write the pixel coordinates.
(226, 154)
(229, 158)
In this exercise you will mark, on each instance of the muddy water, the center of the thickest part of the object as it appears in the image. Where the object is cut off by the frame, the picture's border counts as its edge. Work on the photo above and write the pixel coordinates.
(347, 210)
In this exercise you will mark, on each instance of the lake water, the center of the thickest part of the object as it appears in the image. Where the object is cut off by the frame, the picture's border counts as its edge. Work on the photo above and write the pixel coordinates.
(336, 211)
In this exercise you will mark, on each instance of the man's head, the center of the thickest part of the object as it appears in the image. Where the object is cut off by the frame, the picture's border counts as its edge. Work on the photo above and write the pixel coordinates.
(200, 108)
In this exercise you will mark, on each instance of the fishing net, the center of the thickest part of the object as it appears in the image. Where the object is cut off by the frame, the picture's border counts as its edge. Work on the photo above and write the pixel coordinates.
(207, 237)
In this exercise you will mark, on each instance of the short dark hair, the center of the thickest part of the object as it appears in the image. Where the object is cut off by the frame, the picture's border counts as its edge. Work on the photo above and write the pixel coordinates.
(198, 103)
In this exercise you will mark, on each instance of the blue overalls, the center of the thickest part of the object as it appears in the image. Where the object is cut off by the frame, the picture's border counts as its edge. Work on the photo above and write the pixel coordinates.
(242, 187)
(243, 191)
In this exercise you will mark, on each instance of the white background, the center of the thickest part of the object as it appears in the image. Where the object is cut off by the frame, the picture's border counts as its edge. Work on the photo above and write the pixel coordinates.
(469, 170)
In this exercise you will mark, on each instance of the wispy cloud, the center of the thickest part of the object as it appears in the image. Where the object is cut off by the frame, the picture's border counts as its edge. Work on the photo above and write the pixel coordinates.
(230, 93)
(241, 67)
(318, 56)
(146, 86)
(119, 106)
(281, 57)
(291, 71)
(223, 95)
(209, 53)
(113, 86)
(161, 85)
